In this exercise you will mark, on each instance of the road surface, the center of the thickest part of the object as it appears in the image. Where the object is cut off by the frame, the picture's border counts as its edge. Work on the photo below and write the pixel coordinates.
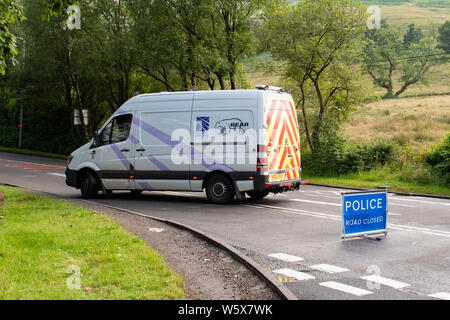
(295, 235)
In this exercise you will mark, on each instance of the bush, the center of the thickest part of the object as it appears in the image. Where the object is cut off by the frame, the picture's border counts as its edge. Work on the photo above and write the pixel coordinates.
(366, 157)
(439, 158)
(337, 157)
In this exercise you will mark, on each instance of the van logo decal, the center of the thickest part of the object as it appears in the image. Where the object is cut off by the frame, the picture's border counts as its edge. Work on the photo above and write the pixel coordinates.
(235, 125)
(202, 124)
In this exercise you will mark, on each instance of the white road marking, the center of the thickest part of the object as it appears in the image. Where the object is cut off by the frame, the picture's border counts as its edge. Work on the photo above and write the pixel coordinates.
(394, 198)
(296, 211)
(184, 194)
(318, 202)
(157, 230)
(294, 274)
(329, 268)
(386, 281)
(339, 218)
(441, 295)
(320, 196)
(423, 201)
(57, 174)
(340, 204)
(285, 257)
(345, 288)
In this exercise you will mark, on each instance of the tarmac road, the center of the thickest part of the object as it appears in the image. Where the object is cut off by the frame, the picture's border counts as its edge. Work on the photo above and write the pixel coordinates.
(295, 235)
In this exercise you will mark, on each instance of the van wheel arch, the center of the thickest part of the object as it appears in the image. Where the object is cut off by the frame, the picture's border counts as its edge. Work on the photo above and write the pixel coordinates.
(212, 174)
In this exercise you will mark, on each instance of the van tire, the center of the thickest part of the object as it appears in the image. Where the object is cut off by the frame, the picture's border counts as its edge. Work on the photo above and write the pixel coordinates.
(219, 189)
(258, 195)
(89, 185)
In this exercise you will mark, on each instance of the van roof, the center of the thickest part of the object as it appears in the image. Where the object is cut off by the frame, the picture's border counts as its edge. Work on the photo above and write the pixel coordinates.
(189, 95)
(204, 94)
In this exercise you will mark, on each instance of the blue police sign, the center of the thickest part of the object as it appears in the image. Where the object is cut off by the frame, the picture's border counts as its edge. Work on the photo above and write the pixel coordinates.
(364, 213)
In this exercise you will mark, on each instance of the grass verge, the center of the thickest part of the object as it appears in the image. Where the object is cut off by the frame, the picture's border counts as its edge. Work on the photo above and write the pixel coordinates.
(372, 179)
(34, 153)
(53, 249)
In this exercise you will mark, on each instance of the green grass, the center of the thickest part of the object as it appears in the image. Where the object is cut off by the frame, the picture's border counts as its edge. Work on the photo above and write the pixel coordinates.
(376, 178)
(34, 153)
(40, 238)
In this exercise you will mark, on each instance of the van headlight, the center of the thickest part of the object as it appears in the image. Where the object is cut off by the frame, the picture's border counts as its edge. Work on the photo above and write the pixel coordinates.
(69, 159)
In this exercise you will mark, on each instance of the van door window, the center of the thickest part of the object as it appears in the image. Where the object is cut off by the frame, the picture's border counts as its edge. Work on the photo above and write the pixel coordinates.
(117, 130)
(105, 136)
(121, 128)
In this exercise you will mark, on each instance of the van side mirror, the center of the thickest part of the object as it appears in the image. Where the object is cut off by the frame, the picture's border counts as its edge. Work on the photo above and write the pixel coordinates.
(96, 142)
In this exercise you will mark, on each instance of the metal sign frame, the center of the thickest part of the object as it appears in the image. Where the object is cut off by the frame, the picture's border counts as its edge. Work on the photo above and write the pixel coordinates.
(366, 233)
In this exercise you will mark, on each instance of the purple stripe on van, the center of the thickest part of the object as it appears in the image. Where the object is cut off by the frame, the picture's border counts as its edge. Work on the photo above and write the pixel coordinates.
(121, 156)
(158, 163)
(133, 139)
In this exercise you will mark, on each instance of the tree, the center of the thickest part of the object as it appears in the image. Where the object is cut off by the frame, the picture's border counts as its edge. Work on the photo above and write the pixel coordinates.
(320, 43)
(387, 60)
(382, 54)
(56, 8)
(444, 37)
(413, 35)
(186, 43)
(10, 13)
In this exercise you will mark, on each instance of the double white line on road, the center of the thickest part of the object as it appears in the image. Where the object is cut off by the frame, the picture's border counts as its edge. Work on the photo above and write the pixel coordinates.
(391, 198)
(433, 232)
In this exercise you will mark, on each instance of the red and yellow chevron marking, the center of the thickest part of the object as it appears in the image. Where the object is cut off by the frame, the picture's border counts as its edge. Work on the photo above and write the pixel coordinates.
(283, 140)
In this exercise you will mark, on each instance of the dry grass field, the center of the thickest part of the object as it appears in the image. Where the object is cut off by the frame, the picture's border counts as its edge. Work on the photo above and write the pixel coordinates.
(419, 121)
(427, 19)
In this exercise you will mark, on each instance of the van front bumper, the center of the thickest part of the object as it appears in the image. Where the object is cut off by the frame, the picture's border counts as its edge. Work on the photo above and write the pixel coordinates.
(73, 178)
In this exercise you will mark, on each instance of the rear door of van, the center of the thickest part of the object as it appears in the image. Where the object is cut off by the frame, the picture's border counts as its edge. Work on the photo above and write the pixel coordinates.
(283, 138)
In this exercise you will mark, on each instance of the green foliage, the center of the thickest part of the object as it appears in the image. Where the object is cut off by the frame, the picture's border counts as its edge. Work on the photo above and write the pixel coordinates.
(444, 37)
(199, 43)
(366, 157)
(10, 13)
(337, 157)
(411, 36)
(386, 57)
(439, 158)
(56, 8)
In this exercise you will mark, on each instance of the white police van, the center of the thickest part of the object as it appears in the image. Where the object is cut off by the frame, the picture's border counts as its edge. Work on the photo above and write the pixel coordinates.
(228, 143)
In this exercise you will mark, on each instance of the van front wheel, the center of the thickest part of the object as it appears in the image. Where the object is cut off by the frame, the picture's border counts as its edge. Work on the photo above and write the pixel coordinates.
(89, 186)
(219, 189)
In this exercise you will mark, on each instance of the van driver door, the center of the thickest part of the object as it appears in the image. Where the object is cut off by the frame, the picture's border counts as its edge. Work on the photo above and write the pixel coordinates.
(114, 154)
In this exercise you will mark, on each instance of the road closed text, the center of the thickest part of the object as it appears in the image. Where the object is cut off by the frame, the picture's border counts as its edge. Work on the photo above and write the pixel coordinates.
(357, 222)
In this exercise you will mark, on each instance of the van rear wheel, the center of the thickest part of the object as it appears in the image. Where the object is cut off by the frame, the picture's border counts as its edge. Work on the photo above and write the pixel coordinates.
(219, 189)
(89, 186)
